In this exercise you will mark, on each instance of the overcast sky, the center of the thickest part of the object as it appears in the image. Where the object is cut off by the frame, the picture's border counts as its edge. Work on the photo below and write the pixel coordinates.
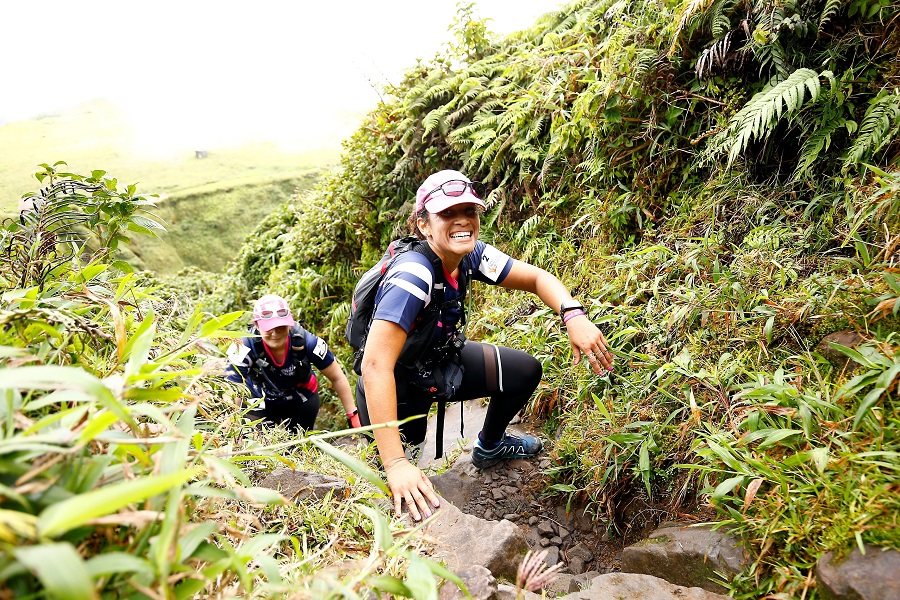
(205, 73)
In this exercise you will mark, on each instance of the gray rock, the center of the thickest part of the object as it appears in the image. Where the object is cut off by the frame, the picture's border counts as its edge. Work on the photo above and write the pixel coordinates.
(512, 516)
(462, 540)
(581, 551)
(546, 528)
(552, 556)
(840, 361)
(616, 586)
(508, 592)
(584, 579)
(556, 540)
(686, 556)
(300, 485)
(874, 575)
(564, 533)
(563, 584)
(576, 566)
(534, 520)
(459, 484)
(498, 494)
(576, 519)
(479, 582)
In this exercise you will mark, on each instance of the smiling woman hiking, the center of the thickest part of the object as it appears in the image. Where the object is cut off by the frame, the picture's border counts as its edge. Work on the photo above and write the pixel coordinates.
(415, 352)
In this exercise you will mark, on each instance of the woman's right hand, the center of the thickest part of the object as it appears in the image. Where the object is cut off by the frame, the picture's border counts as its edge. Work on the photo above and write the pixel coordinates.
(407, 482)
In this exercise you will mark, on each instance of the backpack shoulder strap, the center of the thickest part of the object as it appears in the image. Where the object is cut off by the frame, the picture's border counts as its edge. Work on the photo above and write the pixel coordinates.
(298, 337)
(437, 287)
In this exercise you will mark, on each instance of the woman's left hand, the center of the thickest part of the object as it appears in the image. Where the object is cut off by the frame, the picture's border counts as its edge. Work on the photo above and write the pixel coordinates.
(588, 340)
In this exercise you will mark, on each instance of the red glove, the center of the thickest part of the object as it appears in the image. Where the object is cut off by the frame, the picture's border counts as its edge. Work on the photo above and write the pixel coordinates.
(353, 419)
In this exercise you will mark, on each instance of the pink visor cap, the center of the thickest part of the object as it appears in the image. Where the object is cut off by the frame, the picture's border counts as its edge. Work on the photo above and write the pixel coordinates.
(445, 189)
(272, 311)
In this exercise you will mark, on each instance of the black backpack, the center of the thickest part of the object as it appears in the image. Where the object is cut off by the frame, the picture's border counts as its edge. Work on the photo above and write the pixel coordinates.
(362, 306)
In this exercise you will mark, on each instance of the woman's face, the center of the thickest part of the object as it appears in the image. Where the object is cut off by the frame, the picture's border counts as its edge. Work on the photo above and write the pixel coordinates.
(275, 337)
(452, 233)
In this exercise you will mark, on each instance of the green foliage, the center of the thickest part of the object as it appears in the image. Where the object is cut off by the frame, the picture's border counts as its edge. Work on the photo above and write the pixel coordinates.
(714, 280)
(879, 127)
(758, 118)
(122, 454)
(73, 216)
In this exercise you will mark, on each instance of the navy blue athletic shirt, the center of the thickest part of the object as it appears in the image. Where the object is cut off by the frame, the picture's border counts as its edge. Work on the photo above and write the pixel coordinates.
(406, 287)
(284, 376)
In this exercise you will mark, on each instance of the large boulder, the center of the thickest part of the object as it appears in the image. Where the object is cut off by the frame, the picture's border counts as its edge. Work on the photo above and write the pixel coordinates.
(479, 582)
(686, 556)
(874, 575)
(462, 540)
(300, 485)
(616, 586)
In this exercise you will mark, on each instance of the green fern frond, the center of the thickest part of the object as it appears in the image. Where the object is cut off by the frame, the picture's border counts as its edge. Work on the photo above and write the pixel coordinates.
(644, 62)
(688, 10)
(528, 227)
(878, 127)
(720, 24)
(831, 9)
(436, 120)
(757, 119)
(536, 127)
(817, 143)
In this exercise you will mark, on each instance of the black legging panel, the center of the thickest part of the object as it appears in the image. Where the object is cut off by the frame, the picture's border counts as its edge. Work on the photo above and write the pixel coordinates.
(513, 378)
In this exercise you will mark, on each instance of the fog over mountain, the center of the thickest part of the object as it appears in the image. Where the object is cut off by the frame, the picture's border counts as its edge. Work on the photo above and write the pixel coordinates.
(210, 74)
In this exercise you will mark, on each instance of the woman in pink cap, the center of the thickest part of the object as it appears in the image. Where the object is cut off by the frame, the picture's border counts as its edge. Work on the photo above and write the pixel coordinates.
(421, 297)
(277, 366)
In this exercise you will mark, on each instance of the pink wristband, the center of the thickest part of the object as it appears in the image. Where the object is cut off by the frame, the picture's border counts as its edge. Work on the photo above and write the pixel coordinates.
(572, 314)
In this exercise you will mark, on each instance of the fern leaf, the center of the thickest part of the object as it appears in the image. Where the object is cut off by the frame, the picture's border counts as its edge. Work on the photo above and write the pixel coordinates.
(688, 10)
(831, 8)
(757, 119)
(817, 143)
(882, 116)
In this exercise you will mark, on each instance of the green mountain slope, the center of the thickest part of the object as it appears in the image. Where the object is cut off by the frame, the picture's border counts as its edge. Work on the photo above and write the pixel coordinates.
(208, 204)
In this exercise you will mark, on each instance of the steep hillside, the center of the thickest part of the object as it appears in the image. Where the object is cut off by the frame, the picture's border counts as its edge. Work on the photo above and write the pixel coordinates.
(719, 182)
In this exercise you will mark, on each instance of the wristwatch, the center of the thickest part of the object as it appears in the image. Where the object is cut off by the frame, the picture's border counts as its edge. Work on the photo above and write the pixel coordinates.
(569, 305)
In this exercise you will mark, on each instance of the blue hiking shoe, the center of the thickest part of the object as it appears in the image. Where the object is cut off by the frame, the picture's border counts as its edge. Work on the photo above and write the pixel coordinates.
(511, 446)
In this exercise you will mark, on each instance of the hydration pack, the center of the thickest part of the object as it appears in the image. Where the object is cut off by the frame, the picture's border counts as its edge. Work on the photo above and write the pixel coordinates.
(259, 360)
(362, 306)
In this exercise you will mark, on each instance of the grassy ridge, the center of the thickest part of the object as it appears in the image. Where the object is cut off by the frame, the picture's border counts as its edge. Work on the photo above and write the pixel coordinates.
(207, 225)
(209, 205)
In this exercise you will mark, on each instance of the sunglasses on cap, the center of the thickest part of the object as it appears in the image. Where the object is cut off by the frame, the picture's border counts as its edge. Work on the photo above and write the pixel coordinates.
(271, 314)
(457, 187)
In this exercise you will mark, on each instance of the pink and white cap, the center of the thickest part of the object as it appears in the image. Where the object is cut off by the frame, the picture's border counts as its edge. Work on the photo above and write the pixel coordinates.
(430, 195)
(272, 311)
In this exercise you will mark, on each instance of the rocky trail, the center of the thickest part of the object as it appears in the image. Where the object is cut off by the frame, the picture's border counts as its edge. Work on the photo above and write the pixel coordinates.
(490, 518)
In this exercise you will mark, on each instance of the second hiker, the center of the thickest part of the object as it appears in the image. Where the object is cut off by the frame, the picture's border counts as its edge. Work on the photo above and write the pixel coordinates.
(421, 298)
(277, 367)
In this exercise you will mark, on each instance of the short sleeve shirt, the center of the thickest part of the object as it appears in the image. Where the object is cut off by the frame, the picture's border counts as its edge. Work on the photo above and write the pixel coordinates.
(286, 377)
(406, 287)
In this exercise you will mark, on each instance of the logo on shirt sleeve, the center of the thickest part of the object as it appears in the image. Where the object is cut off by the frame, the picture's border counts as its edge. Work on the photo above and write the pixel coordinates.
(492, 262)
(321, 349)
(238, 355)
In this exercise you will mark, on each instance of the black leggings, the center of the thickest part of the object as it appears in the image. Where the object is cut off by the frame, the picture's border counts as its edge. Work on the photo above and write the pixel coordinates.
(508, 376)
(294, 414)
